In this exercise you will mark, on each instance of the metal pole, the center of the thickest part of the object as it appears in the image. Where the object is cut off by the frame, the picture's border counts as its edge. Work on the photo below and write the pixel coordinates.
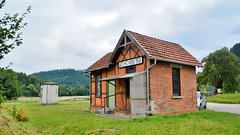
(60, 92)
(148, 85)
(32, 95)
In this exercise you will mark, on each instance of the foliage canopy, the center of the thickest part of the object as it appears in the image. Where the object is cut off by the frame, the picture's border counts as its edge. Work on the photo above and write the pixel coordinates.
(72, 82)
(10, 30)
(9, 85)
(70, 77)
(221, 70)
(236, 49)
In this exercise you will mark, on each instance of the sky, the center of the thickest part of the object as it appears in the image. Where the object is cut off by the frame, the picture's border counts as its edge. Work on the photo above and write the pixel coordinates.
(75, 33)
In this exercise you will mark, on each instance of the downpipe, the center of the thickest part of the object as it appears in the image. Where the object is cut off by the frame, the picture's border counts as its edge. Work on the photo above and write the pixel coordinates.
(148, 85)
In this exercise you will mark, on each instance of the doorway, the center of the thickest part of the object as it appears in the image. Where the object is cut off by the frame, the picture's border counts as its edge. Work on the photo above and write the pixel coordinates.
(111, 91)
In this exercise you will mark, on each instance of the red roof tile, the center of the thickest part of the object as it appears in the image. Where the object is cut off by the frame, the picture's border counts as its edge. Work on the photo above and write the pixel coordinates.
(101, 63)
(156, 48)
(164, 50)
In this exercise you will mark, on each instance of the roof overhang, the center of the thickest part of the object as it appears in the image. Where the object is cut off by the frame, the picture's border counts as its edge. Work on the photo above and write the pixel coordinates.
(117, 77)
(183, 63)
(49, 83)
(93, 70)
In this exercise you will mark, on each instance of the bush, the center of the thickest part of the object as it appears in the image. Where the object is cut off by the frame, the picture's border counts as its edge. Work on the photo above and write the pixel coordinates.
(20, 114)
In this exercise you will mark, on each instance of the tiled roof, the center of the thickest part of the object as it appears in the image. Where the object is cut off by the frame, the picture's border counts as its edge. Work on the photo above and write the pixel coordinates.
(164, 50)
(101, 63)
(156, 48)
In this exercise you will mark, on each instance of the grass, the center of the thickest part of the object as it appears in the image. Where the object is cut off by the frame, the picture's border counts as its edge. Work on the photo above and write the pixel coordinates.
(225, 98)
(74, 117)
(4, 129)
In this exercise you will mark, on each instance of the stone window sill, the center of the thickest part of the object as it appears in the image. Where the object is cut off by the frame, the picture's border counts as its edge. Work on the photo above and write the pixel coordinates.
(177, 97)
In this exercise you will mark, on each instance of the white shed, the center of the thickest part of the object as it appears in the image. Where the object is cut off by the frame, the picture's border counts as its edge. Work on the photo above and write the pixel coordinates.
(48, 93)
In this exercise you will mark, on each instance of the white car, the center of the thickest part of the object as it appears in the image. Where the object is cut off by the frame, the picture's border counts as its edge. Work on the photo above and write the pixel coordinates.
(201, 100)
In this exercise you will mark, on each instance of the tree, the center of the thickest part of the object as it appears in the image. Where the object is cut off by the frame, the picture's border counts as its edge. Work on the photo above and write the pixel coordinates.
(10, 34)
(226, 48)
(2, 98)
(9, 84)
(199, 77)
(221, 70)
(236, 49)
(32, 89)
(29, 84)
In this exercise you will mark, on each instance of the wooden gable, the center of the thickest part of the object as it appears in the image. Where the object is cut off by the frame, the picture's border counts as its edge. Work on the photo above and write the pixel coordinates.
(127, 48)
(128, 51)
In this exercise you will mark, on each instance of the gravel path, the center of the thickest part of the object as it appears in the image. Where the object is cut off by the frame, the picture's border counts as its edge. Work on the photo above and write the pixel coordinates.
(231, 108)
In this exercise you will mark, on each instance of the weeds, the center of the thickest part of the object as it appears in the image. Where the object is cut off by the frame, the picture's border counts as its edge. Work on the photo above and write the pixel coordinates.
(18, 114)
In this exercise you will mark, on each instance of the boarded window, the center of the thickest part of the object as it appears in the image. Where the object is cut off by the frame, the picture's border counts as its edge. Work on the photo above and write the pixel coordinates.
(176, 81)
(98, 85)
(131, 69)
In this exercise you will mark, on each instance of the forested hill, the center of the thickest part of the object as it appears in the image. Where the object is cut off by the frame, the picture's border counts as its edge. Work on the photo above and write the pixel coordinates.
(70, 77)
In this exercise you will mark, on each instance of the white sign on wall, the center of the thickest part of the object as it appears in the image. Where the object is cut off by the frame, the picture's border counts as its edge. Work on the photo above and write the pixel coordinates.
(130, 62)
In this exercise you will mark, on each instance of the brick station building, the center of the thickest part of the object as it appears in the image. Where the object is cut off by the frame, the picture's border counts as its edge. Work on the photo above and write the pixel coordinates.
(144, 76)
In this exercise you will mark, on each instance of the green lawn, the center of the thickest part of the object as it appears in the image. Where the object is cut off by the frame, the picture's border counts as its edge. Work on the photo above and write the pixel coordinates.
(4, 129)
(225, 98)
(74, 117)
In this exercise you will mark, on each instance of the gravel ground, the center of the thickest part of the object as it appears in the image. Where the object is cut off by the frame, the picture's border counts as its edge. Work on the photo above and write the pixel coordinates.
(231, 108)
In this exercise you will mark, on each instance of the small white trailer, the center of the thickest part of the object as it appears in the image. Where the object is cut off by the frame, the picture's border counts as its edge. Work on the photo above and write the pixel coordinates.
(48, 93)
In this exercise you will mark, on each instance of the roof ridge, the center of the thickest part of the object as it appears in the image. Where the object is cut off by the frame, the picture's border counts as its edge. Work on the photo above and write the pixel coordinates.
(152, 37)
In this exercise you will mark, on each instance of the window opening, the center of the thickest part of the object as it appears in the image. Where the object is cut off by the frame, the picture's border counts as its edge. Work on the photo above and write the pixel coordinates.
(98, 85)
(131, 69)
(176, 81)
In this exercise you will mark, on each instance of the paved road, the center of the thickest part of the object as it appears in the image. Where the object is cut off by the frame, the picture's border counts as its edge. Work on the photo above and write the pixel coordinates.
(231, 108)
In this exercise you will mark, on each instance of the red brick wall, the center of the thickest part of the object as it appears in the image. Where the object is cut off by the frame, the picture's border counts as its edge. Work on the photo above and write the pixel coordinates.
(161, 89)
(160, 86)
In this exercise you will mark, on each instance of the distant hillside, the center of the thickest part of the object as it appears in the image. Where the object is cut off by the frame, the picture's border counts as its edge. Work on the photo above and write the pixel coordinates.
(70, 77)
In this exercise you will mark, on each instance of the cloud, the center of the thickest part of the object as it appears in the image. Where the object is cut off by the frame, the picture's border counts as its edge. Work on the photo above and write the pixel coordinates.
(98, 20)
(74, 34)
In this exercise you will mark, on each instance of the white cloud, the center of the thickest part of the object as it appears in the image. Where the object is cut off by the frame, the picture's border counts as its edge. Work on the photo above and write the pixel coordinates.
(74, 34)
(101, 19)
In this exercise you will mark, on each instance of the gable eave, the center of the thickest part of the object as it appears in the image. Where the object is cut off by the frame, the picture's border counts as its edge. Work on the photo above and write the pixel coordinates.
(138, 44)
(92, 70)
(115, 49)
(126, 33)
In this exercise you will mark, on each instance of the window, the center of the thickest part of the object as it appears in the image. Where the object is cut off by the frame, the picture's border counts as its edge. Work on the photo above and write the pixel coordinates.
(131, 69)
(176, 81)
(98, 85)
(127, 84)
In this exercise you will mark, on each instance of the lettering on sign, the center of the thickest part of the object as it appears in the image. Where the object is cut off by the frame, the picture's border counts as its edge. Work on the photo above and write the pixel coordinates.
(130, 62)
